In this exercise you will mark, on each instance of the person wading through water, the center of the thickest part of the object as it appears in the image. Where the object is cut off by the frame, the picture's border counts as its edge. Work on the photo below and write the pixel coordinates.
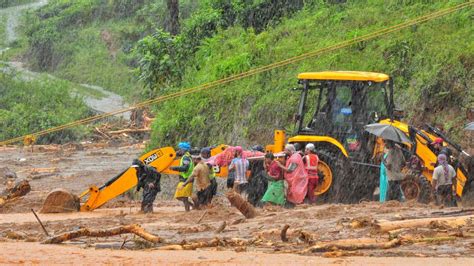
(394, 162)
(205, 155)
(186, 169)
(240, 166)
(444, 178)
(295, 175)
(149, 180)
(200, 174)
(311, 165)
(276, 189)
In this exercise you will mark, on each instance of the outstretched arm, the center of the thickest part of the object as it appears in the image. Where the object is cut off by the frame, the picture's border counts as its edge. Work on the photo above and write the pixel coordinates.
(184, 167)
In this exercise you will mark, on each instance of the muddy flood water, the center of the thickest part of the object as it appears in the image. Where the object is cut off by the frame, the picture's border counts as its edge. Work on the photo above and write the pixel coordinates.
(242, 241)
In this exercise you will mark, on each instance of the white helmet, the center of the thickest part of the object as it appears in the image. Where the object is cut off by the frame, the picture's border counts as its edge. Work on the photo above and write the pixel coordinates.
(310, 146)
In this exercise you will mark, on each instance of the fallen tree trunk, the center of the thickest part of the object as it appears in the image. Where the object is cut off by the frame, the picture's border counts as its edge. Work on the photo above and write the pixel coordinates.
(126, 229)
(453, 222)
(129, 130)
(332, 246)
(242, 205)
(205, 244)
(21, 188)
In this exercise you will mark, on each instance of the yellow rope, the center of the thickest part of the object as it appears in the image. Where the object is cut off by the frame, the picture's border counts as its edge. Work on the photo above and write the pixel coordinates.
(251, 72)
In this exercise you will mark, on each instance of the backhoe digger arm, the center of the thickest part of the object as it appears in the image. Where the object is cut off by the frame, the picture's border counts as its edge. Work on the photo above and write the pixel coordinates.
(161, 159)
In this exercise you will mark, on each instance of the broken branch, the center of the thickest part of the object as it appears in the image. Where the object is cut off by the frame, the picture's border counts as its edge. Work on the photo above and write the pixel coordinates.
(283, 236)
(129, 130)
(426, 222)
(127, 229)
(39, 221)
(242, 205)
(331, 246)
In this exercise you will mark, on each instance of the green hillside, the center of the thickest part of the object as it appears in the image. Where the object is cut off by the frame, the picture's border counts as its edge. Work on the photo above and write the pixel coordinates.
(123, 46)
(431, 64)
(30, 106)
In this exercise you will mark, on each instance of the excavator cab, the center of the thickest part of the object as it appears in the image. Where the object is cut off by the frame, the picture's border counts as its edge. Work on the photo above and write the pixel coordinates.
(333, 109)
(339, 104)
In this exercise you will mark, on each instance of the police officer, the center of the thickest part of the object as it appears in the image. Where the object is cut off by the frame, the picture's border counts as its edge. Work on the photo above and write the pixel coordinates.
(149, 180)
(185, 168)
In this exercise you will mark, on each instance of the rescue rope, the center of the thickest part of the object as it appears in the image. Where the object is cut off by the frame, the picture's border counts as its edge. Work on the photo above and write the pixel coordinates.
(251, 72)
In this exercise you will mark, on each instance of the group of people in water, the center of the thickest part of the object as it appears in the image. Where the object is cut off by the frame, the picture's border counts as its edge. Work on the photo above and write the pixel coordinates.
(391, 174)
(291, 175)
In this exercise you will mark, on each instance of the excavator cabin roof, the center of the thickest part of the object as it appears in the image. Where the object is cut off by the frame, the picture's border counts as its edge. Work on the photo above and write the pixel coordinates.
(344, 75)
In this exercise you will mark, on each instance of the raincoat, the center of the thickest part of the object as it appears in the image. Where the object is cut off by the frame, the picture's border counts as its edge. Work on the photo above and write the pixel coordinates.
(383, 181)
(297, 180)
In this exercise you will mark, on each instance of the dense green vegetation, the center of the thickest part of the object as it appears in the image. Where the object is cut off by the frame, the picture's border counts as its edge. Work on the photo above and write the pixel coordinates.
(431, 64)
(9, 3)
(30, 106)
(91, 41)
(3, 21)
(123, 46)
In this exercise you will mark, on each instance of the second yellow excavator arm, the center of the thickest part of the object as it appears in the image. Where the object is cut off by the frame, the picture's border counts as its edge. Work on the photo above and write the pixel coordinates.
(161, 159)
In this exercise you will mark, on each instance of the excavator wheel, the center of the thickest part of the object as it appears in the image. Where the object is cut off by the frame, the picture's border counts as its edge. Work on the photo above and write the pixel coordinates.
(468, 194)
(331, 187)
(325, 178)
(425, 195)
(410, 188)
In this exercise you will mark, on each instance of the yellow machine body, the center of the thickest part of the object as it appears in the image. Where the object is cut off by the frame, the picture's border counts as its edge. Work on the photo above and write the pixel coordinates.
(427, 156)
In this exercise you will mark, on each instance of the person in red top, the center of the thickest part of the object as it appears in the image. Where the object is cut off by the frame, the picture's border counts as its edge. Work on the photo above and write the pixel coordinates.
(311, 165)
(275, 193)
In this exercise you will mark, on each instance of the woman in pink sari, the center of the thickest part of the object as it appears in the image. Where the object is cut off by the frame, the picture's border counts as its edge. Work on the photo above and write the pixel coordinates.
(295, 176)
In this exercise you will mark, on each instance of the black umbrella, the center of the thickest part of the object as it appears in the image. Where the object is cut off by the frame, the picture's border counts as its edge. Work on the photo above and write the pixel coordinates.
(469, 126)
(388, 132)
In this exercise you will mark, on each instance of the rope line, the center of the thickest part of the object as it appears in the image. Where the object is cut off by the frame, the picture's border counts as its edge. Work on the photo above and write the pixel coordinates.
(251, 72)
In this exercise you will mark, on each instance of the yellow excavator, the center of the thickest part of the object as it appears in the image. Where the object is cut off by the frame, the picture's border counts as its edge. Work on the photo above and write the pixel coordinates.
(333, 109)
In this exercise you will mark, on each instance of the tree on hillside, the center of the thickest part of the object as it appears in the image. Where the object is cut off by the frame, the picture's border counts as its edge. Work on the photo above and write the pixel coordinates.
(173, 23)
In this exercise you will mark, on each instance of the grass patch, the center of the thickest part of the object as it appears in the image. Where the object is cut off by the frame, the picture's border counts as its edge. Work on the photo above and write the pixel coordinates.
(30, 106)
(3, 26)
(10, 3)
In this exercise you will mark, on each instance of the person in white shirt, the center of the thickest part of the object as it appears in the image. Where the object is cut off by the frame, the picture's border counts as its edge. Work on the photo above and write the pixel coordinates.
(444, 179)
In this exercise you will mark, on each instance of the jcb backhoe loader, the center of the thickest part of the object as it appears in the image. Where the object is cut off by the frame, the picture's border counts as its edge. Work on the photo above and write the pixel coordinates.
(333, 109)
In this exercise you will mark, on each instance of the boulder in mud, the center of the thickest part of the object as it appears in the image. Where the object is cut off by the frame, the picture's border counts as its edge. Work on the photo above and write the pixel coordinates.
(60, 200)
(6, 173)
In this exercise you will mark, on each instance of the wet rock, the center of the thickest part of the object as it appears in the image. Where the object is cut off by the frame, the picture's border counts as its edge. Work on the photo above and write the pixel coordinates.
(6, 173)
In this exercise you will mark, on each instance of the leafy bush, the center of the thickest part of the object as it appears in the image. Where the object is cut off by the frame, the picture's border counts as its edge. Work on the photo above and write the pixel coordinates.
(30, 106)
(163, 57)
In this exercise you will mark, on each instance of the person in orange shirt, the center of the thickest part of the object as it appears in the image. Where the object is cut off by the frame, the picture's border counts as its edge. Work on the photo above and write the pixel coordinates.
(311, 160)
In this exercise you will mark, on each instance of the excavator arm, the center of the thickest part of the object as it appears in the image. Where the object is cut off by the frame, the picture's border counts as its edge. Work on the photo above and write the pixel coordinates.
(162, 159)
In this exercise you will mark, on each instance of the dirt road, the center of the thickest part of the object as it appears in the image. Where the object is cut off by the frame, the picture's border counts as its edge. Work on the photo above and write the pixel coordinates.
(106, 102)
(81, 165)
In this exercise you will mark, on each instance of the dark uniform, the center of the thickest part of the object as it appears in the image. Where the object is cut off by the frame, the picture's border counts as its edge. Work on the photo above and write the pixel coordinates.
(149, 180)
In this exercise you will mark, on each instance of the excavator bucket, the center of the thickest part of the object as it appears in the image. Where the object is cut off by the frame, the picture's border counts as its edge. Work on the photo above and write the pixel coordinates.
(60, 200)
